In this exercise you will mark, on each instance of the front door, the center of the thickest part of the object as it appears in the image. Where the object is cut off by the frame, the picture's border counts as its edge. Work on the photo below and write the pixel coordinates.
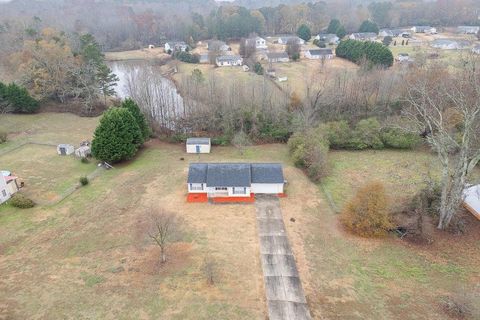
(197, 149)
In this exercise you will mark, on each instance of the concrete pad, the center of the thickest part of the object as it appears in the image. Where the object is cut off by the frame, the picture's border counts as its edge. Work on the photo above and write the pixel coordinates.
(274, 245)
(279, 265)
(271, 227)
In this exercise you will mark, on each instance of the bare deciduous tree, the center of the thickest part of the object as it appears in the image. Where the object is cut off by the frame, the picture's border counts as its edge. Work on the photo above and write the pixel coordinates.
(446, 105)
(209, 268)
(163, 229)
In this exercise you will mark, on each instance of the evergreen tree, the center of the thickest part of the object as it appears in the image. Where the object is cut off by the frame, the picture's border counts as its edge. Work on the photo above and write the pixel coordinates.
(139, 118)
(116, 137)
(333, 26)
(368, 26)
(304, 32)
(14, 98)
(106, 81)
(341, 32)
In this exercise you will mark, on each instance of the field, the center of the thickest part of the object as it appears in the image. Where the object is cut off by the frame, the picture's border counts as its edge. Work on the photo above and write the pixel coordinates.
(145, 53)
(88, 257)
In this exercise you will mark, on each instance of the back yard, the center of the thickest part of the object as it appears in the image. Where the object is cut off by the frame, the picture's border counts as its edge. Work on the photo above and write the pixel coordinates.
(88, 256)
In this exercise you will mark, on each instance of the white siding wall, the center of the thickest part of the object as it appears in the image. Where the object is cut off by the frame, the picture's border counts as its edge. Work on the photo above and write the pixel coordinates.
(197, 188)
(267, 188)
(192, 148)
(228, 193)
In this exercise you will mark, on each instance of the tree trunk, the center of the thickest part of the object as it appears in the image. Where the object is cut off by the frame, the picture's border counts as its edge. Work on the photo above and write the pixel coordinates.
(164, 256)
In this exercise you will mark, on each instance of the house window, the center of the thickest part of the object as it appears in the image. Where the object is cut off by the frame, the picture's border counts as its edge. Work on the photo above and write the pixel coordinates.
(239, 190)
(4, 193)
(196, 187)
(221, 189)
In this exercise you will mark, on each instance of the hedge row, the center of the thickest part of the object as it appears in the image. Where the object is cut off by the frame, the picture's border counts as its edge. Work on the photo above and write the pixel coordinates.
(357, 51)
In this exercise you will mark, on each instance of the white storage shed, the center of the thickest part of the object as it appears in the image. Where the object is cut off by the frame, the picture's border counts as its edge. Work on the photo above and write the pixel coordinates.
(198, 145)
(65, 149)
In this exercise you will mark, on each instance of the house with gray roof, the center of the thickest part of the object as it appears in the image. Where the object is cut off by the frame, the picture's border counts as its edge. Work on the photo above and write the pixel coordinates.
(229, 61)
(175, 46)
(322, 53)
(286, 39)
(217, 45)
(424, 29)
(450, 44)
(274, 57)
(198, 145)
(364, 36)
(235, 179)
(468, 29)
(329, 38)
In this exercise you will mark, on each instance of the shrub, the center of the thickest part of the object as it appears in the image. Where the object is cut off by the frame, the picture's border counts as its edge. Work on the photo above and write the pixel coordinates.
(358, 51)
(258, 68)
(399, 139)
(3, 137)
(84, 181)
(296, 56)
(187, 57)
(223, 140)
(367, 134)
(14, 98)
(131, 106)
(338, 134)
(116, 137)
(367, 213)
(19, 200)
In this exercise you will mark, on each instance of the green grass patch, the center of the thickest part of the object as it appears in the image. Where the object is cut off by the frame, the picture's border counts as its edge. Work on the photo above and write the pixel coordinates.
(91, 280)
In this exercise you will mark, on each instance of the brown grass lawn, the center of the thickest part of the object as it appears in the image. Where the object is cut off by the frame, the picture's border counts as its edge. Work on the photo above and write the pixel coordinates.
(140, 54)
(87, 257)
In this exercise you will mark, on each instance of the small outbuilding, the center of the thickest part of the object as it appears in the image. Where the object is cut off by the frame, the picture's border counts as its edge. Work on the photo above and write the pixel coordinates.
(198, 145)
(8, 185)
(472, 200)
(65, 149)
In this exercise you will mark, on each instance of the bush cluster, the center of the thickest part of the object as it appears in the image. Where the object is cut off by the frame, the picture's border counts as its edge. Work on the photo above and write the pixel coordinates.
(186, 57)
(367, 214)
(358, 51)
(309, 150)
(3, 137)
(16, 99)
(84, 181)
(367, 134)
(19, 200)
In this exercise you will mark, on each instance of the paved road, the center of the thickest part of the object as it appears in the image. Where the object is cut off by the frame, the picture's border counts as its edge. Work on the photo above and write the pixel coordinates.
(285, 296)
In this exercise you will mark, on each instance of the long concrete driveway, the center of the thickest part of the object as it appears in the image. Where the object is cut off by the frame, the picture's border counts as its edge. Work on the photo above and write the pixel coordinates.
(285, 296)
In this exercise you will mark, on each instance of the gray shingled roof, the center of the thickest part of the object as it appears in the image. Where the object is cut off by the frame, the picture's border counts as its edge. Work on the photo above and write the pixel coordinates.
(198, 141)
(321, 52)
(235, 174)
(267, 173)
(197, 173)
(230, 58)
(277, 55)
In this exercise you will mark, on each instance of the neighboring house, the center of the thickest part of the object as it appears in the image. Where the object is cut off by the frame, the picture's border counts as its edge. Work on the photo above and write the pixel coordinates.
(233, 181)
(176, 46)
(288, 38)
(229, 61)
(476, 49)
(65, 149)
(403, 57)
(364, 36)
(198, 145)
(258, 42)
(217, 45)
(391, 33)
(329, 38)
(472, 200)
(8, 186)
(468, 29)
(424, 29)
(322, 53)
(274, 57)
(204, 58)
(449, 44)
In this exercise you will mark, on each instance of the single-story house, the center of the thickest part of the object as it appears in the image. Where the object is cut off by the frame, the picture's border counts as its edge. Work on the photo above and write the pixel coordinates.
(229, 61)
(364, 36)
(198, 145)
(391, 33)
(289, 38)
(329, 38)
(176, 46)
(274, 57)
(322, 53)
(217, 45)
(65, 149)
(233, 181)
(258, 42)
(472, 200)
(8, 186)
(449, 44)
(476, 49)
(468, 29)
(424, 29)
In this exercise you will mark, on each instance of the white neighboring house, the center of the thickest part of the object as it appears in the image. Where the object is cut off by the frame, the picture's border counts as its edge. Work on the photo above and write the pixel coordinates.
(274, 57)
(65, 149)
(403, 57)
(449, 44)
(472, 200)
(217, 45)
(476, 49)
(468, 29)
(175, 46)
(198, 145)
(363, 36)
(258, 42)
(424, 29)
(329, 38)
(229, 61)
(235, 179)
(288, 38)
(322, 53)
(8, 186)
(391, 33)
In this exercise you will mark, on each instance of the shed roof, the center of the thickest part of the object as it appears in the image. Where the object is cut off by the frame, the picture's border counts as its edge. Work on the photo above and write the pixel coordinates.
(235, 174)
(198, 141)
(472, 198)
(229, 58)
(320, 52)
(277, 55)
